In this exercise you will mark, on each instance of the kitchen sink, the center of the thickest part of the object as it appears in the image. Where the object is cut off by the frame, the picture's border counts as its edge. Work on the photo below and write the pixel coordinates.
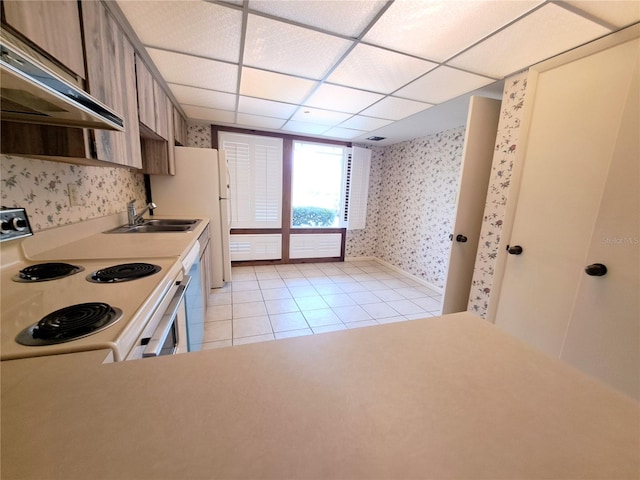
(158, 226)
(170, 222)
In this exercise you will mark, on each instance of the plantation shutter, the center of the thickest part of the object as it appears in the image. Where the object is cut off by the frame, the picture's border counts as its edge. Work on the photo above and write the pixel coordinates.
(357, 188)
(255, 171)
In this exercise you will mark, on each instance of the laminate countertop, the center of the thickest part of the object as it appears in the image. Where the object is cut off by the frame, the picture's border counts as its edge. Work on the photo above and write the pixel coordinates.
(88, 240)
(447, 397)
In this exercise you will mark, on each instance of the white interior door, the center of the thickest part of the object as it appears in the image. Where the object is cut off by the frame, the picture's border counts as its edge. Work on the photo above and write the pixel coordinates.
(479, 144)
(605, 325)
(570, 134)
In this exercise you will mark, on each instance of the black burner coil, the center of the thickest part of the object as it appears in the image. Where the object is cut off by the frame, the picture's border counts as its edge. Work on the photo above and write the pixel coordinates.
(124, 272)
(73, 321)
(42, 272)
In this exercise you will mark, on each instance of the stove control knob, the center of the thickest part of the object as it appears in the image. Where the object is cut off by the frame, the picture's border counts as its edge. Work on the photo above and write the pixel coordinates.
(19, 224)
(14, 224)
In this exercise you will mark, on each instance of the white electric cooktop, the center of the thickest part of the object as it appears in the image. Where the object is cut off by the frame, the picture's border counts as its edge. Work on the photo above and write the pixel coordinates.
(25, 304)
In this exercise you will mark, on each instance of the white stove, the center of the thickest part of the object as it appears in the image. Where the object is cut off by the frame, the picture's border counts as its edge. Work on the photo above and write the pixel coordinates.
(134, 302)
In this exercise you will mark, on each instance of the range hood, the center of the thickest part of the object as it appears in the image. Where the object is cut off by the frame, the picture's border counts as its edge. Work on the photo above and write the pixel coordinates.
(33, 93)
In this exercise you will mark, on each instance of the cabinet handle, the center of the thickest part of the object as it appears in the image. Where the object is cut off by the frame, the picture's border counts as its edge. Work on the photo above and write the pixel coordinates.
(461, 238)
(515, 250)
(596, 270)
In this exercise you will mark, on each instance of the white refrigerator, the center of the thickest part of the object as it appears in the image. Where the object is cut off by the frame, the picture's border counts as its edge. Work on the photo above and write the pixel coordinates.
(199, 187)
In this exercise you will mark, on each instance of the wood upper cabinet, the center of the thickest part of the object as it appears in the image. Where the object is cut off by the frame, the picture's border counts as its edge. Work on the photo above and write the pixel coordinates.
(164, 115)
(158, 154)
(155, 112)
(152, 102)
(111, 79)
(179, 128)
(53, 26)
(146, 103)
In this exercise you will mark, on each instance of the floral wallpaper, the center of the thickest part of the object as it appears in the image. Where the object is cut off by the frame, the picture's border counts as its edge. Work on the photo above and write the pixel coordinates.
(199, 135)
(42, 188)
(497, 195)
(412, 194)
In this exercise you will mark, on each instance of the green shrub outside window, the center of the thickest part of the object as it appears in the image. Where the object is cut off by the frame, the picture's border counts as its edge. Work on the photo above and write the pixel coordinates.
(313, 217)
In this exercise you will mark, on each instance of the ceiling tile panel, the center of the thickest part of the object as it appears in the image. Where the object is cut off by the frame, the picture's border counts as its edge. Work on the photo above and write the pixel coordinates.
(344, 133)
(438, 29)
(195, 71)
(616, 12)
(378, 70)
(443, 84)
(342, 99)
(260, 122)
(321, 117)
(188, 27)
(209, 114)
(203, 98)
(394, 108)
(345, 17)
(285, 48)
(266, 108)
(307, 128)
(542, 34)
(274, 86)
(360, 122)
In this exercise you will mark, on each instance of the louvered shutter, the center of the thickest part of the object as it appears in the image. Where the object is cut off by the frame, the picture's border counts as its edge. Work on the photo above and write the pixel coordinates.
(255, 170)
(357, 187)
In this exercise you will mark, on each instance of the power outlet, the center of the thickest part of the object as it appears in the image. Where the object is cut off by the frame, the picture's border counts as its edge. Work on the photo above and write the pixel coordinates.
(74, 194)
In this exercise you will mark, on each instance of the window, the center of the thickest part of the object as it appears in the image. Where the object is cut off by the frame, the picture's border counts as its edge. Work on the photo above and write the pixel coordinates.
(291, 199)
(317, 185)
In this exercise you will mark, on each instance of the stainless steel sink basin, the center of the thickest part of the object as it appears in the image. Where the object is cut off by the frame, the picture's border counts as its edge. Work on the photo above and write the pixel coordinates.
(158, 226)
(170, 222)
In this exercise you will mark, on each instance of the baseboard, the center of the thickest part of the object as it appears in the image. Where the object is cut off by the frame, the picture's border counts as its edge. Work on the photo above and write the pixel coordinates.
(359, 259)
(398, 270)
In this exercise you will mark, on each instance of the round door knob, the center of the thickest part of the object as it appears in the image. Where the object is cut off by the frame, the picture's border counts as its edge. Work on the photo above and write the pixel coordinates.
(515, 250)
(596, 270)
(461, 238)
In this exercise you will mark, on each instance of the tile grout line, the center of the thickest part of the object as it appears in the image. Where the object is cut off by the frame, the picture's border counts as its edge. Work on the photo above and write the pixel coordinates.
(307, 273)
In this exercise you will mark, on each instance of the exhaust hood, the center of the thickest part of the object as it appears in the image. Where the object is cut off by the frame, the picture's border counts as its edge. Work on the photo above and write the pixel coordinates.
(34, 93)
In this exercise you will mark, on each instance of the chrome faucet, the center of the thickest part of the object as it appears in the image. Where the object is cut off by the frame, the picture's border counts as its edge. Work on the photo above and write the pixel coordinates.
(133, 216)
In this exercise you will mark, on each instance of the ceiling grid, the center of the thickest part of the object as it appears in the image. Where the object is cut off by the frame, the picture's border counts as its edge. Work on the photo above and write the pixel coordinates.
(350, 69)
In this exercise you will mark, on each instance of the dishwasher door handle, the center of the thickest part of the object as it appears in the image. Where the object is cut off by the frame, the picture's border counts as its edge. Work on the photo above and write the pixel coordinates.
(156, 342)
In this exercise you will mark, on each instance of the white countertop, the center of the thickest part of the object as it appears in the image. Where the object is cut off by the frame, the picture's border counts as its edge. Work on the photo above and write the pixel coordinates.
(93, 243)
(444, 397)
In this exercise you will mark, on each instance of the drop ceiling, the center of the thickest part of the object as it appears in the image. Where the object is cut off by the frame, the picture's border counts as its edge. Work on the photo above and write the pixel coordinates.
(352, 69)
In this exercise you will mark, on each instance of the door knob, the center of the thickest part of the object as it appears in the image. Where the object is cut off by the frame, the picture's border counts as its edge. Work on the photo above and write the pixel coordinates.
(596, 270)
(515, 250)
(461, 238)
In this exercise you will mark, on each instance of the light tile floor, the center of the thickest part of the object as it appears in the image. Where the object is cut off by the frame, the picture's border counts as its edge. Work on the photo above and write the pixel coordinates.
(271, 302)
